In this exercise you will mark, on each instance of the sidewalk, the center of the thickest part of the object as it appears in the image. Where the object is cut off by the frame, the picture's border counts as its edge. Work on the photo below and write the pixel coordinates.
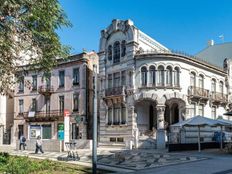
(120, 160)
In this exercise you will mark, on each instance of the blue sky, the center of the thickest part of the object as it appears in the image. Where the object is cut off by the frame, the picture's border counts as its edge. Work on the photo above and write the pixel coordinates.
(184, 25)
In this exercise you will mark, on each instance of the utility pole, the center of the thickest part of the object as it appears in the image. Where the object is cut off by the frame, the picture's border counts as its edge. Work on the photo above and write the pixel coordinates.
(94, 148)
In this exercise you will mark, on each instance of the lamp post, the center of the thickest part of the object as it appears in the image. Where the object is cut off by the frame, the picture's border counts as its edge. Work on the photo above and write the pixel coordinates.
(94, 148)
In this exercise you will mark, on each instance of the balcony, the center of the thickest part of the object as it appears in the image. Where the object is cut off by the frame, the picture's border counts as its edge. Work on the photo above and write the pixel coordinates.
(115, 91)
(46, 90)
(218, 97)
(43, 116)
(198, 93)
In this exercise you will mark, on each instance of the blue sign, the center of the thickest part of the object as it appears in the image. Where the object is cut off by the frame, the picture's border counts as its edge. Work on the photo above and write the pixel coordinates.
(61, 135)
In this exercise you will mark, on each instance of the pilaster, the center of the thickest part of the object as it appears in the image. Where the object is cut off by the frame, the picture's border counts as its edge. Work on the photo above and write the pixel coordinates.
(160, 127)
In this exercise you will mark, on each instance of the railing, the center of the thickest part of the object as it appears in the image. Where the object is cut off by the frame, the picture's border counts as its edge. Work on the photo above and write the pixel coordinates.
(198, 92)
(219, 97)
(52, 114)
(114, 91)
(177, 52)
(46, 90)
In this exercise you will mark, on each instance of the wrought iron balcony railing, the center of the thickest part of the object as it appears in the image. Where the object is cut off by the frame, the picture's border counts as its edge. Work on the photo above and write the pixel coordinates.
(219, 97)
(198, 92)
(51, 115)
(46, 90)
(115, 91)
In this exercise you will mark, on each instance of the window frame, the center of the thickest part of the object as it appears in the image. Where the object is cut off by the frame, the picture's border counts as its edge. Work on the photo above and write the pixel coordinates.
(61, 79)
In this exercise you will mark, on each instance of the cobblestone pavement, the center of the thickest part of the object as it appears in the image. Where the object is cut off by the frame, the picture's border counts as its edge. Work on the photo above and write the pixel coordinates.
(123, 159)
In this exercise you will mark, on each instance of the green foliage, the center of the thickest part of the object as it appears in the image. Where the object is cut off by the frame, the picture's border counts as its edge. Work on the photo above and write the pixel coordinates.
(25, 165)
(28, 36)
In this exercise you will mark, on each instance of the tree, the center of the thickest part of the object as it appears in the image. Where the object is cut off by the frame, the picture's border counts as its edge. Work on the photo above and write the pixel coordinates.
(28, 36)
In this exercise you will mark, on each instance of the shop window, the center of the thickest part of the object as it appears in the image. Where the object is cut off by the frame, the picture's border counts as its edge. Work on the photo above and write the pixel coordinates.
(46, 132)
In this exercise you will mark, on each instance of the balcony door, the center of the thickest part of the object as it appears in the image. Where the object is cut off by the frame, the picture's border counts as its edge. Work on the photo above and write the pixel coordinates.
(47, 103)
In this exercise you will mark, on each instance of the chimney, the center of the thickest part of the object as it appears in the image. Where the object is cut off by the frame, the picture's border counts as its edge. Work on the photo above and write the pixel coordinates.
(210, 43)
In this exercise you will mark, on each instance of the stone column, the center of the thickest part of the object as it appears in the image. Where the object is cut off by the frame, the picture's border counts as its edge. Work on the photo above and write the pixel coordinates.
(148, 78)
(135, 131)
(173, 76)
(160, 127)
(133, 78)
(164, 78)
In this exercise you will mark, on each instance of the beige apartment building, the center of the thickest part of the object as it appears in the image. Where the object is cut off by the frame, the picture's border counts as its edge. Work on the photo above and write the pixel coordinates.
(40, 103)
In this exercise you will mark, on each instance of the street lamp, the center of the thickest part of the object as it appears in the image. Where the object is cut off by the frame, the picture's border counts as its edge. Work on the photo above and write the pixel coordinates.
(94, 148)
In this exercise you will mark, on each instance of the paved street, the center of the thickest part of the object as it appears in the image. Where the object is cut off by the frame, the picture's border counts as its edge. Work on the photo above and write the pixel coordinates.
(217, 163)
(147, 161)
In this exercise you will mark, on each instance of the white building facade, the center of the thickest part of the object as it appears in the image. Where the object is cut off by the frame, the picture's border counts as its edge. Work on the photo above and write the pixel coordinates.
(145, 87)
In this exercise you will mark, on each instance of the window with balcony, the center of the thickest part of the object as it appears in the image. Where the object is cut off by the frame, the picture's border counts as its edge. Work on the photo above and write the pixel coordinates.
(201, 110)
(123, 78)
(34, 105)
(116, 80)
(176, 77)
(123, 48)
(76, 76)
(34, 82)
(201, 82)
(152, 75)
(169, 76)
(110, 81)
(213, 112)
(21, 106)
(47, 103)
(61, 104)
(144, 76)
(221, 90)
(61, 78)
(117, 52)
(109, 52)
(76, 102)
(193, 79)
(160, 76)
(213, 85)
(21, 84)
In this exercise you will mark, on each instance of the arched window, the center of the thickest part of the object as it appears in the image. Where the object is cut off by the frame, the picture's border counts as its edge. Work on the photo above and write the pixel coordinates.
(201, 81)
(160, 76)
(152, 75)
(144, 76)
(169, 76)
(193, 79)
(213, 85)
(177, 77)
(221, 87)
(123, 48)
(116, 52)
(110, 52)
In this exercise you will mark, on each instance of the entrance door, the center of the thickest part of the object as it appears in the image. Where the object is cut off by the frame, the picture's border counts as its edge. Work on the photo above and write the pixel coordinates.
(175, 113)
(20, 128)
(151, 117)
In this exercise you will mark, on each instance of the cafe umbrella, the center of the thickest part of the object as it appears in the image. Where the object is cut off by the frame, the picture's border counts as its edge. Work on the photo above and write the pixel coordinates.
(198, 121)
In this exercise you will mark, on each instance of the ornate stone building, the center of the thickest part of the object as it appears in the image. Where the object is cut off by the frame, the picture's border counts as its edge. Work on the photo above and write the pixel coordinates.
(145, 87)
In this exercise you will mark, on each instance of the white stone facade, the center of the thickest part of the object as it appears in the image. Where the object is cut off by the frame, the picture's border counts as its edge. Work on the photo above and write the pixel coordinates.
(144, 87)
